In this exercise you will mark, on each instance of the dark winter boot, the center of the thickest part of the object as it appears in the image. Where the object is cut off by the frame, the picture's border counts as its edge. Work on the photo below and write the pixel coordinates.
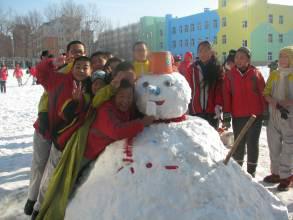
(29, 207)
(34, 215)
(285, 184)
(273, 178)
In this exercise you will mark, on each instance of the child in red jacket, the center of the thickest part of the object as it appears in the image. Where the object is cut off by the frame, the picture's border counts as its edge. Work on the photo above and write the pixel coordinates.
(18, 74)
(113, 122)
(69, 99)
(3, 78)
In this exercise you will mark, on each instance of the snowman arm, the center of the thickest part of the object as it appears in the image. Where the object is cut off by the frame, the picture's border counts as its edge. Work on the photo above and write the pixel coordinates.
(110, 125)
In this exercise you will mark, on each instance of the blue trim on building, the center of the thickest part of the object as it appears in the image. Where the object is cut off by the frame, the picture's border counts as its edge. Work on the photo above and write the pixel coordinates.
(184, 34)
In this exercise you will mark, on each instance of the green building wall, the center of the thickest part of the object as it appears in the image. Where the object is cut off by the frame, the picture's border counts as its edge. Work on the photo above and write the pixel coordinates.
(152, 31)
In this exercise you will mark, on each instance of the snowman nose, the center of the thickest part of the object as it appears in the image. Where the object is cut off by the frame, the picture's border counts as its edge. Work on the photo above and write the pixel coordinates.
(155, 90)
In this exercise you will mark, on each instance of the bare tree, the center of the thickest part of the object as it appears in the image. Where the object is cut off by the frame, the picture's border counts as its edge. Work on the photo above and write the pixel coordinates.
(52, 11)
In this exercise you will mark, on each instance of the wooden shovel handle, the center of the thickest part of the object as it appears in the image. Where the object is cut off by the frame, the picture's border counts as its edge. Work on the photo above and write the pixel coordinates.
(239, 138)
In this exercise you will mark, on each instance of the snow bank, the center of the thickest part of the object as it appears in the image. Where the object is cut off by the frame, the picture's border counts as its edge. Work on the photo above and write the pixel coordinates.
(177, 173)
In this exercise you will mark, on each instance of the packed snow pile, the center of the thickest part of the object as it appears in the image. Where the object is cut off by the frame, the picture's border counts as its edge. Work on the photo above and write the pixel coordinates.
(171, 170)
(177, 173)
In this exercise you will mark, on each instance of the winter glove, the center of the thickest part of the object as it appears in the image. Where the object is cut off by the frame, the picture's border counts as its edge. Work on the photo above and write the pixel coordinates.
(218, 112)
(226, 120)
(284, 112)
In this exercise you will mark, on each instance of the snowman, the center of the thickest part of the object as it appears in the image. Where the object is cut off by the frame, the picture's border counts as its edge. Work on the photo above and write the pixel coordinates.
(172, 170)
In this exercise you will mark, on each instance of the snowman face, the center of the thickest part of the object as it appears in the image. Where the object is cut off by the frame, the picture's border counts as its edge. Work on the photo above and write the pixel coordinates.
(168, 93)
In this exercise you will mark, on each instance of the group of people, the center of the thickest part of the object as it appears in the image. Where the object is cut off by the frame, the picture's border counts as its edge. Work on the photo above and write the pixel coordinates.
(88, 103)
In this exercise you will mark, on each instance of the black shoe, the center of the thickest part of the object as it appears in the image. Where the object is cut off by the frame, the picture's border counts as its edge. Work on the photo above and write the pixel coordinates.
(34, 215)
(29, 207)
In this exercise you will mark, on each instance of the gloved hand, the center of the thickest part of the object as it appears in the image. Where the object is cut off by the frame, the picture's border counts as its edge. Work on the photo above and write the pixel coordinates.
(218, 112)
(226, 120)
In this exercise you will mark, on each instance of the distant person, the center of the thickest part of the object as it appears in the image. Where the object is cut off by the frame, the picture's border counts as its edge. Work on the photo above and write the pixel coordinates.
(33, 72)
(140, 58)
(279, 94)
(230, 61)
(3, 78)
(273, 65)
(18, 74)
(185, 64)
(243, 97)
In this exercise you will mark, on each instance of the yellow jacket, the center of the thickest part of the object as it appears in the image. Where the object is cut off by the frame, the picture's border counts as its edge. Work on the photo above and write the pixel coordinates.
(141, 68)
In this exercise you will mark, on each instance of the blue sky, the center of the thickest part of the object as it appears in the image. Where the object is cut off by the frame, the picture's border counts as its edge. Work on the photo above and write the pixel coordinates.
(122, 12)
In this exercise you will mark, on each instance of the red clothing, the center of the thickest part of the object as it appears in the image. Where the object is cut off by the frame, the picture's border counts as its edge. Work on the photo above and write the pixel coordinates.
(243, 93)
(3, 74)
(59, 88)
(18, 72)
(33, 71)
(185, 64)
(109, 126)
(203, 102)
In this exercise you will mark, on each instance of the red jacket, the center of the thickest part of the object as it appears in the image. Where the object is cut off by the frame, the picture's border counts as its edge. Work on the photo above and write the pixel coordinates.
(243, 94)
(33, 71)
(109, 126)
(214, 93)
(185, 64)
(59, 88)
(18, 72)
(3, 74)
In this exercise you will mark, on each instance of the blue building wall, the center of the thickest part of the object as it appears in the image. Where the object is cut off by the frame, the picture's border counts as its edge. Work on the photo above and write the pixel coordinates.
(180, 36)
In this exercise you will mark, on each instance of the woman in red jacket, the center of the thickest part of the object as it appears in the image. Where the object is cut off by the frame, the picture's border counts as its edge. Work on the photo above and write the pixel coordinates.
(243, 88)
(3, 78)
(113, 122)
(205, 80)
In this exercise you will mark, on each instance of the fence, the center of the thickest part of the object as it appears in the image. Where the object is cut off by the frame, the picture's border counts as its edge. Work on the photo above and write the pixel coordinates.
(23, 61)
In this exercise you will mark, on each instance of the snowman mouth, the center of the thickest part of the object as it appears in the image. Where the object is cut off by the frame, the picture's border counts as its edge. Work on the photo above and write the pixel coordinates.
(159, 102)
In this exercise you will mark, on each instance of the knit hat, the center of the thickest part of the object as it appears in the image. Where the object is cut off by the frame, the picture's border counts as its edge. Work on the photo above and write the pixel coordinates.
(245, 50)
(99, 74)
(289, 52)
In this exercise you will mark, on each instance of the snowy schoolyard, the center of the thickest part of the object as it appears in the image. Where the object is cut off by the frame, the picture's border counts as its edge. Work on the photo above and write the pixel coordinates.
(18, 111)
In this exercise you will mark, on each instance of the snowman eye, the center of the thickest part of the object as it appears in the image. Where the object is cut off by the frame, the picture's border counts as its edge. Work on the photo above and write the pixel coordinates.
(168, 83)
(145, 84)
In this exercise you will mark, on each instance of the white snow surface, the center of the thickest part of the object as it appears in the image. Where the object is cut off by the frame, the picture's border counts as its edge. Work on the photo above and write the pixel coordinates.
(18, 111)
(202, 187)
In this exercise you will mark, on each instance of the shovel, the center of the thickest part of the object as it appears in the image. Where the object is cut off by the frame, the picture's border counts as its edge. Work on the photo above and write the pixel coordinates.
(239, 138)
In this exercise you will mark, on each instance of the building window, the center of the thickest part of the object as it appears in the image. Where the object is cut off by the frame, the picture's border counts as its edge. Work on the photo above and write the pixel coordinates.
(192, 42)
(270, 38)
(181, 43)
(180, 29)
(186, 43)
(244, 43)
(174, 30)
(224, 39)
(199, 26)
(270, 56)
(224, 22)
(271, 19)
(215, 40)
(244, 24)
(206, 25)
(281, 19)
(215, 23)
(186, 28)
(192, 27)
(174, 43)
(161, 33)
(281, 38)
(224, 3)
(161, 45)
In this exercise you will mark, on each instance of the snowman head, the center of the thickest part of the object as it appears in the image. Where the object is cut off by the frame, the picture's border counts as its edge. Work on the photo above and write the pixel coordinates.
(163, 93)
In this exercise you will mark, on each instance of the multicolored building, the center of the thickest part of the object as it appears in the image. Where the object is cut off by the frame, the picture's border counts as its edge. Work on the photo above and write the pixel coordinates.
(256, 24)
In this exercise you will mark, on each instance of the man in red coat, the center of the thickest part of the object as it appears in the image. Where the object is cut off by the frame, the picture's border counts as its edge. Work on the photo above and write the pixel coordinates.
(243, 97)
(184, 65)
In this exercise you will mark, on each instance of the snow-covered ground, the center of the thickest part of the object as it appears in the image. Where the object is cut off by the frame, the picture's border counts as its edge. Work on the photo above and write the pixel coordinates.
(18, 110)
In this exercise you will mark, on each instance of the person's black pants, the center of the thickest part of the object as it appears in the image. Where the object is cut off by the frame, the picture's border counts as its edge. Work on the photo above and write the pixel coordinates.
(251, 139)
(3, 86)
